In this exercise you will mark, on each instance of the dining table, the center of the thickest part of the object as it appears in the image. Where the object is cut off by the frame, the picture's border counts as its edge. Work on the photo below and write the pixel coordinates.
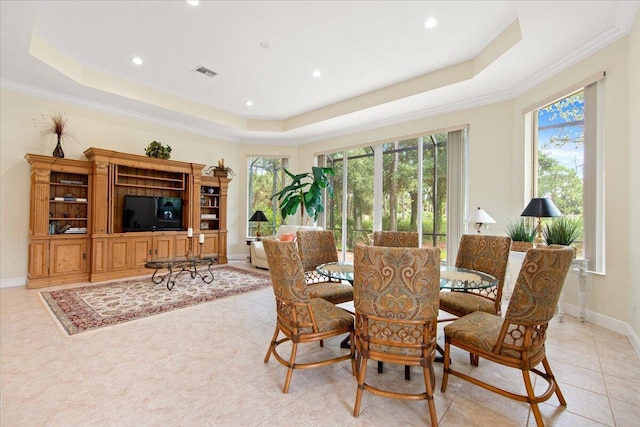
(452, 278)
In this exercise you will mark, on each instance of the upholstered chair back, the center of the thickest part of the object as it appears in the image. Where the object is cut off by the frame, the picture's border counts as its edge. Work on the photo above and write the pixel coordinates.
(396, 239)
(289, 286)
(392, 288)
(489, 254)
(316, 247)
(537, 290)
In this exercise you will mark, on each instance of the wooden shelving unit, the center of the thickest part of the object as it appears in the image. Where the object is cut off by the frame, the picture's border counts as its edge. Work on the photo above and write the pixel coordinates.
(85, 199)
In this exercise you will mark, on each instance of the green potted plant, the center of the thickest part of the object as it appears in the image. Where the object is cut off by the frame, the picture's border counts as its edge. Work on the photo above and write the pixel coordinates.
(562, 231)
(522, 235)
(156, 150)
(305, 191)
(220, 170)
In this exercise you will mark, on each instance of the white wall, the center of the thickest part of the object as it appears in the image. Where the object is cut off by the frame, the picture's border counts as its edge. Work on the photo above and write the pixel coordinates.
(633, 252)
(20, 118)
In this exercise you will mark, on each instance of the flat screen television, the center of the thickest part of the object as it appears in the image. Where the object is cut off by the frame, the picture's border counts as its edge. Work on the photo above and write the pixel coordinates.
(148, 213)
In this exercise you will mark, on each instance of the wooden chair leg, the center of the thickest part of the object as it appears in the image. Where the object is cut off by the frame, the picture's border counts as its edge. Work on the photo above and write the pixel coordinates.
(292, 362)
(354, 366)
(532, 398)
(445, 369)
(474, 359)
(272, 346)
(429, 381)
(549, 372)
(362, 372)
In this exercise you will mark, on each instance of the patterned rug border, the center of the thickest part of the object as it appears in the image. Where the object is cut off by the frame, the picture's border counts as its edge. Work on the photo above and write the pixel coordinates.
(65, 302)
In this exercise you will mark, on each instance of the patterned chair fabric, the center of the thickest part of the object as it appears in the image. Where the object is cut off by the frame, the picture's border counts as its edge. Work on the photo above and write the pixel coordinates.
(396, 305)
(489, 254)
(300, 317)
(318, 247)
(517, 340)
(396, 239)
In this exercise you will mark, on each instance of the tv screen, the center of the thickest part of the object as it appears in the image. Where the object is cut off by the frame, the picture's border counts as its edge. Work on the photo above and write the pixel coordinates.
(148, 213)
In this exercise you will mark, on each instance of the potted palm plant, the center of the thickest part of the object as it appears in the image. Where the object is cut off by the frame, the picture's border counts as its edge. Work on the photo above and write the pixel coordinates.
(522, 235)
(305, 191)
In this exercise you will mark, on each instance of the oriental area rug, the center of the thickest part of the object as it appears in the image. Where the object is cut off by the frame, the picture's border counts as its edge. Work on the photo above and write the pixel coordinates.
(91, 307)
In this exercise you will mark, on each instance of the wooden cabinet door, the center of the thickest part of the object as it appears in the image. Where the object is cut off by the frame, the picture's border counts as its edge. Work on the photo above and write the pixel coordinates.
(68, 256)
(38, 259)
(142, 250)
(119, 254)
(163, 247)
(210, 245)
(181, 245)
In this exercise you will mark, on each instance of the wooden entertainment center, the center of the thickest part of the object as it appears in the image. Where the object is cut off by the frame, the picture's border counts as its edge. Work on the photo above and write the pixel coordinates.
(76, 216)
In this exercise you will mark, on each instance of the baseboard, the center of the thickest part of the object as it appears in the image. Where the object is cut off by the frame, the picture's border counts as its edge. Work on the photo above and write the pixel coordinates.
(608, 323)
(13, 282)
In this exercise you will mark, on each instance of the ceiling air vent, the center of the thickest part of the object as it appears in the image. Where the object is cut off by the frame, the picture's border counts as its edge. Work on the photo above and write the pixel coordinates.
(204, 70)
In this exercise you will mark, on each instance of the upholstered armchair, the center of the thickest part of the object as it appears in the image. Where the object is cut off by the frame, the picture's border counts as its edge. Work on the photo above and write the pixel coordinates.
(488, 254)
(301, 318)
(518, 339)
(318, 247)
(396, 239)
(396, 306)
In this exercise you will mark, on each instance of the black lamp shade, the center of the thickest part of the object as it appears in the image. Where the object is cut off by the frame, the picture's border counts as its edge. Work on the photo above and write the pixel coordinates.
(258, 216)
(541, 207)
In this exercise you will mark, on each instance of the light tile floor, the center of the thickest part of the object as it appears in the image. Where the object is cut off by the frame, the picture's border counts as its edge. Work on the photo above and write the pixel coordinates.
(203, 366)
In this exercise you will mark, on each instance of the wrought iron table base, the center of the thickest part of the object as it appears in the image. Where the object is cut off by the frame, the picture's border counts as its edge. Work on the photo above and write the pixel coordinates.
(179, 266)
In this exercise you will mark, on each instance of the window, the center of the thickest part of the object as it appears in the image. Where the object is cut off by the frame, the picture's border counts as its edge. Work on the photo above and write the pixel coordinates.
(265, 177)
(560, 157)
(568, 161)
(399, 185)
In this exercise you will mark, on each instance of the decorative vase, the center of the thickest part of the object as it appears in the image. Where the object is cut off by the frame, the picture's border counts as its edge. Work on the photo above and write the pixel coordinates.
(57, 152)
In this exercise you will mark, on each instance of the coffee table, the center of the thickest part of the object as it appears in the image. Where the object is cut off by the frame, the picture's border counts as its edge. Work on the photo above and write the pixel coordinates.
(179, 266)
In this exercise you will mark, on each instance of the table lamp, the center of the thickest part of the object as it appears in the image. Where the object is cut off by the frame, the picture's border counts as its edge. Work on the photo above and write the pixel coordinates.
(479, 217)
(258, 216)
(540, 207)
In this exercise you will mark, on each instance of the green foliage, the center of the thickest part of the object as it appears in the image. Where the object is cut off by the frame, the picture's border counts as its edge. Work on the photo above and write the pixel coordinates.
(156, 150)
(561, 184)
(521, 231)
(305, 191)
(562, 231)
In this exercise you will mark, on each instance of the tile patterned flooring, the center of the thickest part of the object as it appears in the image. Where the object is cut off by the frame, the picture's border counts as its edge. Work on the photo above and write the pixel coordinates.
(203, 366)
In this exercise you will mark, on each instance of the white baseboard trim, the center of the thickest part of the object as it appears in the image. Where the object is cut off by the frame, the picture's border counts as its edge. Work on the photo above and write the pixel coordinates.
(608, 323)
(13, 282)
(238, 257)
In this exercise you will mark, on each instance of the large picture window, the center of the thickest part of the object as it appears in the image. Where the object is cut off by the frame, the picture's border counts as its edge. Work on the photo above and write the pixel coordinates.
(265, 178)
(568, 161)
(397, 186)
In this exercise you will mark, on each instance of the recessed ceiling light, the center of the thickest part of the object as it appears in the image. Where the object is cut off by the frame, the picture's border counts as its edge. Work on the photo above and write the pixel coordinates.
(193, 2)
(137, 60)
(264, 45)
(249, 103)
(316, 73)
(430, 22)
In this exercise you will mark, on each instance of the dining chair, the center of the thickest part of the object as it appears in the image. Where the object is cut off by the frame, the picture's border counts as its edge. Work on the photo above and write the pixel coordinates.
(318, 247)
(301, 318)
(396, 239)
(488, 254)
(396, 294)
(518, 339)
